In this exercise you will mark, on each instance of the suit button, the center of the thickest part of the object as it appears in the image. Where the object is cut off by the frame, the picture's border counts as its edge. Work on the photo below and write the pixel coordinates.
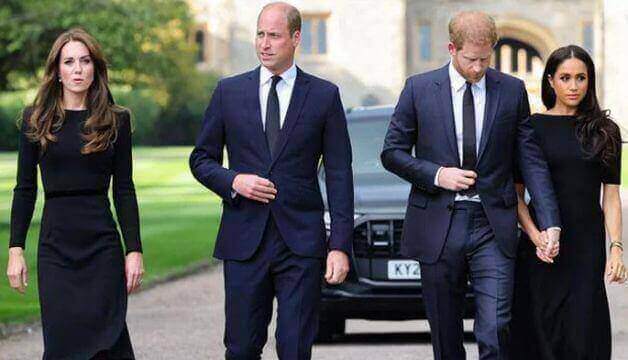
(450, 207)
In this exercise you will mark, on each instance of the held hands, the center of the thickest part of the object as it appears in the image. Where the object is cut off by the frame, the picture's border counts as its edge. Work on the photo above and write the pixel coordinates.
(553, 242)
(16, 270)
(456, 179)
(134, 270)
(337, 267)
(547, 246)
(254, 187)
(615, 268)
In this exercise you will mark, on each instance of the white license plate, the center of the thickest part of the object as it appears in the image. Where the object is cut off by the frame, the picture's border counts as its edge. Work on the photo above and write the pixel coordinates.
(403, 270)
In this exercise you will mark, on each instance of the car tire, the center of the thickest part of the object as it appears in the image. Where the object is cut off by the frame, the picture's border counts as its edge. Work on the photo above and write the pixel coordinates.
(329, 328)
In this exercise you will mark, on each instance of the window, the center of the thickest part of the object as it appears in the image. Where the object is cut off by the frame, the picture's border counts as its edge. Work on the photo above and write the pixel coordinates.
(322, 37)
(587, 37)
(370, 100)
(306, 37)
(199, 39)
(425, 42)
(314, 34)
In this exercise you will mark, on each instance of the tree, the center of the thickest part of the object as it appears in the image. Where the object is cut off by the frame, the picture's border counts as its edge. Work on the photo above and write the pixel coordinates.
(145, 41)
(152, 60)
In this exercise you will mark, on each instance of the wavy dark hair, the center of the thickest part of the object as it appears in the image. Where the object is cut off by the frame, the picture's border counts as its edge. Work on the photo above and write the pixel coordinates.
(598, 134)
(46, 115)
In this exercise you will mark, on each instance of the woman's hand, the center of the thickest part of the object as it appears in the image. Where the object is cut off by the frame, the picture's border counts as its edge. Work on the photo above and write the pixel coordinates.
(16, 270)
(615, 268)
(540, 240)
(134, 270)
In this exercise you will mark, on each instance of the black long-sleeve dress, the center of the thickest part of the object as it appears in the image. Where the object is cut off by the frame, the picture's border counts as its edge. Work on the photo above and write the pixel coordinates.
(560, 310)
(82, 288)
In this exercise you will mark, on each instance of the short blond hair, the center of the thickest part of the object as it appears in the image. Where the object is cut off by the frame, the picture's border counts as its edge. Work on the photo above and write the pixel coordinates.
(473, 26)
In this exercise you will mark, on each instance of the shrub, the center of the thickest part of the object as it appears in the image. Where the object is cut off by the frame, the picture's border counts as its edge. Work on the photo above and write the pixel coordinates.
(11, 105)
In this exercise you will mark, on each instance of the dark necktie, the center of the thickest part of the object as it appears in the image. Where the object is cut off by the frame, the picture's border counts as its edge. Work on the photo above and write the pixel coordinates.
(272, 115)
(469, 157)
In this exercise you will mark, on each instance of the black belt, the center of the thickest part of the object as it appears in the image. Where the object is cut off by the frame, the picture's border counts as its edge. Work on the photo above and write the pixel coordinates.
(70, 193)
(468, 204)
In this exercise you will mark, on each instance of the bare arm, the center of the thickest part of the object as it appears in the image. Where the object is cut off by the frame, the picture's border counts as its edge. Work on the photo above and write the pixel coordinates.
(611, 205)
(523, 213)
(539, 238)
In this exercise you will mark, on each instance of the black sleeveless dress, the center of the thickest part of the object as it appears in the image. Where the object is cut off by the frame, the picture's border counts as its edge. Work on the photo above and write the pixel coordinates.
(82, 290)
(560, 310)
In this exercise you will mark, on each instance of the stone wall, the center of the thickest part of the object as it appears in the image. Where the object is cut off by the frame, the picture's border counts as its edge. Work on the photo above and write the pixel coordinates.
(373, 45)
(365, 43)
(614, 69)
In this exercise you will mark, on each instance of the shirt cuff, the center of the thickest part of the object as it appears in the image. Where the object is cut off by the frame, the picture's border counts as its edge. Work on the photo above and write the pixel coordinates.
(553, 228)
(436, 183)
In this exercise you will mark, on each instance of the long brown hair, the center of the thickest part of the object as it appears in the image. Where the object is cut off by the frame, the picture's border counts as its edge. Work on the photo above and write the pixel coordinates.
(598, 134)
(47, 114)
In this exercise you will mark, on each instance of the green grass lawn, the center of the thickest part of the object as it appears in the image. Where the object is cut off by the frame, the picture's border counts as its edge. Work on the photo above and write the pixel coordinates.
(179, 220)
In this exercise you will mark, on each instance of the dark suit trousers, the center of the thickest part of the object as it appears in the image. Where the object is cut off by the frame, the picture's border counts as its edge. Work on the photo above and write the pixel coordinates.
(470, 253)
(251, 285)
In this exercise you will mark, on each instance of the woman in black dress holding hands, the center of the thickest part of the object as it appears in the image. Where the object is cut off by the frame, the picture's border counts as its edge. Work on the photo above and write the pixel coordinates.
(561, 310)
(80, 140)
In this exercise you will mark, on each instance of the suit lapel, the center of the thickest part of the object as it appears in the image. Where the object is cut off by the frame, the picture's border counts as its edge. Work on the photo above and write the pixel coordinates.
(492, 102)
(255, 113)
(446, 107)
(299, 94)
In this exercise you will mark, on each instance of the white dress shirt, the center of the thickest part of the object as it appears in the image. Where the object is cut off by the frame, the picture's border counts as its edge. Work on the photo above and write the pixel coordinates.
(458, 87)
(284, 91)
(478, 89)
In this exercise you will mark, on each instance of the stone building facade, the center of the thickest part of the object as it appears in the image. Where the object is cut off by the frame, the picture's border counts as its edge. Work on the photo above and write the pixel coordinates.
(369, 47)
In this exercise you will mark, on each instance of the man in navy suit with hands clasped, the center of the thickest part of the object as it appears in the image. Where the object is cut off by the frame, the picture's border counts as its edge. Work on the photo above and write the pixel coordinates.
(276, 122)
(468, 125)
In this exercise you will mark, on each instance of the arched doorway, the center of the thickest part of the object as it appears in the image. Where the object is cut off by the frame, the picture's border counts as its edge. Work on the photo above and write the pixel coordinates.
(522, 60)
(521, 52)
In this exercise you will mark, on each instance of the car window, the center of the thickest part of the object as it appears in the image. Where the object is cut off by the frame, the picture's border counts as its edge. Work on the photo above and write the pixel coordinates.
(367, 138)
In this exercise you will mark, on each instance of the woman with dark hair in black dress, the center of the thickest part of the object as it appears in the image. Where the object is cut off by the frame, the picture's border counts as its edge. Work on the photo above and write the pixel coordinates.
(81, 141)
(560, 309)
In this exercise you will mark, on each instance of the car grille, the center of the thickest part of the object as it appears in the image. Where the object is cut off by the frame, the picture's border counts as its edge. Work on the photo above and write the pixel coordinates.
(378, 239)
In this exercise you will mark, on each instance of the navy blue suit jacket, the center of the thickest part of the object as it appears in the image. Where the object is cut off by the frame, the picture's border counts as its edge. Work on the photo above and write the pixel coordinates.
(314, 126)
(423, 119)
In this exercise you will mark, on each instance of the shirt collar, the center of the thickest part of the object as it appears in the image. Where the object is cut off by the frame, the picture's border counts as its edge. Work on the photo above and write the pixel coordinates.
(458, 82)
(288, 76)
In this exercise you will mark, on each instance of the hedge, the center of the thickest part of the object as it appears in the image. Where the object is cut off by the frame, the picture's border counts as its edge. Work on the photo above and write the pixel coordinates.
(154, 124)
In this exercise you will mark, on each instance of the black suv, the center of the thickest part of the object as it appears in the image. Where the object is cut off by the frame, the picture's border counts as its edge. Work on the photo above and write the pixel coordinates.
(382, 284)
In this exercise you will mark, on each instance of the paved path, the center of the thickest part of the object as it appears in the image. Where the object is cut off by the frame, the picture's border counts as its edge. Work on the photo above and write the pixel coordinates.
(184, 320)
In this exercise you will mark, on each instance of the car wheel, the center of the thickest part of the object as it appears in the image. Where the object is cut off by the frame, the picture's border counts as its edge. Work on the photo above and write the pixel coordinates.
(329, 328)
